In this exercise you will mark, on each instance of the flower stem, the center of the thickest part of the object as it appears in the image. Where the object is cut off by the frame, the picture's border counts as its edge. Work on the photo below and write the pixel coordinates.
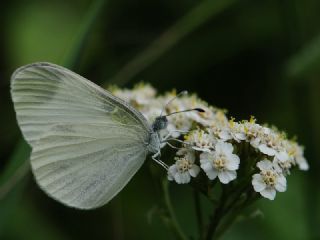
(198, 211)
(16, 170)
(174, 222)
(216, 217)
(231, 215)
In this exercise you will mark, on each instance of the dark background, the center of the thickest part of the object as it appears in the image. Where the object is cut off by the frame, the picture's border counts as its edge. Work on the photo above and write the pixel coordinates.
(258, 58)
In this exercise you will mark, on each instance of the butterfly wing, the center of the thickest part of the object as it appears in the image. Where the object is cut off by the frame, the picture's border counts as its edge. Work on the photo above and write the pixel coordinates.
(86, 143)
(83, 165)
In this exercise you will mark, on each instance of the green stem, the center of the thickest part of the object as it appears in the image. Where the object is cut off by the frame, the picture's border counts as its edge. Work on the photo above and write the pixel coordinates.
(17, 176)
(174, 222)
(231, 214)
(225, 205)
(184, 26)
(216, 217)
(17, 168)
(74, 55)
(198, 211)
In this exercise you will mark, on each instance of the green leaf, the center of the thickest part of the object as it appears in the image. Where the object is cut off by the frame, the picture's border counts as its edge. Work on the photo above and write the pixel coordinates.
(183, 27)
(306, 61)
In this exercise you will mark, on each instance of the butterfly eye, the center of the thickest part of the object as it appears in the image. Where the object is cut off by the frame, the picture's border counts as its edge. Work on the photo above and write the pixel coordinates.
(160, 123)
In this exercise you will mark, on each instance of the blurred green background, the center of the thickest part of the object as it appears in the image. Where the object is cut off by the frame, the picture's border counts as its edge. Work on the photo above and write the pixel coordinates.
(258, 58)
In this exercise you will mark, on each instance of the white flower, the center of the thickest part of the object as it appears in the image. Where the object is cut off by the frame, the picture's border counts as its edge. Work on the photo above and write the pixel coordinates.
(300, 159)
(187, 152)
(206, 131)
(268, 141)
(143, 93)
(233, 131)
(284, 161)
(266, 149)
(209, 117)
(269, 180)
(184, 168)
(200, 140)
(271, 143)
(139, 97)
(297, 153)
(253, 132)
(192, 101)
(206, 118)
(178, 124)
(221, 162)
(175, 105)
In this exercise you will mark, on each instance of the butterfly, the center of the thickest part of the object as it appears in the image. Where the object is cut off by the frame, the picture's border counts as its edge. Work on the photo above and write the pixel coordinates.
(86, 143)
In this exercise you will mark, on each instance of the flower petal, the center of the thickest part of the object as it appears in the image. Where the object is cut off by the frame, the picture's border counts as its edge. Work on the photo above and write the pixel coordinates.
(178, 178)
(185, 178)
(269, 193)
(233, 162)
(190, 155)
(206, 165)
(255, 142)
(212, 173)
(202, 149)
(225, 135)
(227, 176)
(194, 170)
(224, 147)
(171, 172)
(205, 156)
(266, 150)
(240, 136)
(281, 184)
(282, 156)
(265, 165)
(302, 163)
(258, 183)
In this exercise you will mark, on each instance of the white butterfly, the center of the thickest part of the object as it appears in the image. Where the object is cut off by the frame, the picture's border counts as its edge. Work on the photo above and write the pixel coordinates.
(86, 143)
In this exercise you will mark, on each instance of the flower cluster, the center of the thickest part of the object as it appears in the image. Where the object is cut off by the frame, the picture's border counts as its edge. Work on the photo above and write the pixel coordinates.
(217, 145)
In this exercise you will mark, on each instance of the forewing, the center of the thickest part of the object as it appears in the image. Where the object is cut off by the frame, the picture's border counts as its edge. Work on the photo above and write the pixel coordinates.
(87, 144)
(81, 166)
(45, 94)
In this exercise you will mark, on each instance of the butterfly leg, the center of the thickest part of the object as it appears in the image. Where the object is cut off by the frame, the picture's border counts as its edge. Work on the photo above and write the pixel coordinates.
(155, 158)
(180, 141)
(167, 137)
(180, 131)
(172, 146)
(164, 139)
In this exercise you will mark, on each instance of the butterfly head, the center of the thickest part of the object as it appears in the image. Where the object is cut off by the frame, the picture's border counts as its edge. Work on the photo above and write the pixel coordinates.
(160, 123)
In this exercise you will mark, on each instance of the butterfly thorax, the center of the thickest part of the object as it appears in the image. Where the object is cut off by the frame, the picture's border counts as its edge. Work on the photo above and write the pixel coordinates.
(159, 124)
(154, 142)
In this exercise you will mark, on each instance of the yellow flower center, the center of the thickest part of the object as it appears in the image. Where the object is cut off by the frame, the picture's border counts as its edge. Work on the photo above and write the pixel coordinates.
(183, 165)
(269, 177)
(252, 119)
(219, 163)
(231, 122)
(202, 144)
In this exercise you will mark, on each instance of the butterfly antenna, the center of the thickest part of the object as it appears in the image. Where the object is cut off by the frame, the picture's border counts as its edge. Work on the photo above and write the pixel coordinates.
(172, 99)
(187, 110)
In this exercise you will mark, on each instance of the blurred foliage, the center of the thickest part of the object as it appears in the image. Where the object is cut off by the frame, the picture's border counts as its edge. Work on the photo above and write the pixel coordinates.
(251, 57)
